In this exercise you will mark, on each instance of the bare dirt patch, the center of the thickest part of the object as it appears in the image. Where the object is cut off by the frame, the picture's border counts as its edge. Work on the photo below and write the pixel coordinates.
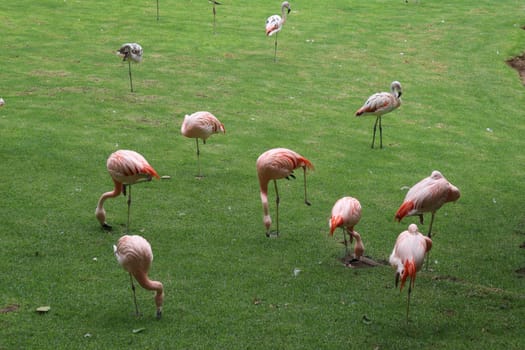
(9, 308)
(518, 63)
(363, 262)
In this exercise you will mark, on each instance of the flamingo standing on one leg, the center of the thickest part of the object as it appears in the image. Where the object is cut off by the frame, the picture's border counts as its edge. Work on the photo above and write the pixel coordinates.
(130, 52)
(201, 125)
(427, 196)
(135, 256)
(346, 213)
(275, 23)
(379, 104)
(408, 256)
(274, 164)
(214, 12)
(126, 168)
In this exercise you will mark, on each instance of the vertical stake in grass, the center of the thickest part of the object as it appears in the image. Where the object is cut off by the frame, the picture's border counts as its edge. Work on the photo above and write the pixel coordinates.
(157, 10)
(130, 52)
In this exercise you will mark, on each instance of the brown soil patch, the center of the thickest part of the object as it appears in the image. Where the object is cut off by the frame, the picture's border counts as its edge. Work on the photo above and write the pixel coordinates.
(518, 63)
(9, 308)
(363, 262)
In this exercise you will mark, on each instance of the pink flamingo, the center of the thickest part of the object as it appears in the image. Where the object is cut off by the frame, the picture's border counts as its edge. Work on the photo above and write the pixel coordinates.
(274, 164)
(427, 196)
(135, 256)
(201, 125)
(275, 23)
(130, 52)
(379, 104)
(408, 256)
(346, 213)
(126, 168)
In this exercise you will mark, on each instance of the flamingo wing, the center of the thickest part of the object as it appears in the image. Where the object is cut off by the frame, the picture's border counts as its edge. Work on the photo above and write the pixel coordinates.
(273, 25)
(128, 167)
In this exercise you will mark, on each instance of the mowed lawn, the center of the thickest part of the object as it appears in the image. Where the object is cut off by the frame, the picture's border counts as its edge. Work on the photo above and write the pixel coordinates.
(227, 286)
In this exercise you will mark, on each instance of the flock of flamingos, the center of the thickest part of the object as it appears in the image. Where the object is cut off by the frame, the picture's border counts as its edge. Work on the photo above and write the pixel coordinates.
(128, 167)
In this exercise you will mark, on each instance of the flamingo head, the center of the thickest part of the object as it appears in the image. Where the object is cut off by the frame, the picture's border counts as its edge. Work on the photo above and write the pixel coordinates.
(286, 5)
(396, 88)
(100, 213)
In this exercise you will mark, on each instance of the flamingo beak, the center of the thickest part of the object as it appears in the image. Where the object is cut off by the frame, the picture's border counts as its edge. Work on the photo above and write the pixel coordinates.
(397, 278)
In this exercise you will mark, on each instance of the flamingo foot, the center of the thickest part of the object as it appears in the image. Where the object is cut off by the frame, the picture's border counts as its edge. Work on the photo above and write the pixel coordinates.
(200, 177)
(107, 226)
(272, 234)
(159, 314)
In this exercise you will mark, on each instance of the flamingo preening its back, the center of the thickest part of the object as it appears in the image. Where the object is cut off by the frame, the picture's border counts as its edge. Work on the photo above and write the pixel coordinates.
(427, 196)
(346, 213)
(134, 254)
(274, 164)
(275, 23)
(201, 125)
(125, 168)
(379, 104)
(130, 52)
(407, 257)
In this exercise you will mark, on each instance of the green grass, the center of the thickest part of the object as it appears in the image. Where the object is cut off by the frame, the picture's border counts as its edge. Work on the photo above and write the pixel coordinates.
(68, 106)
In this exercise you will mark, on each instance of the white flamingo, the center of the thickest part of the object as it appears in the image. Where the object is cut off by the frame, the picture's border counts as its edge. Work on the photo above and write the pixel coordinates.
(379, 104)
(275, 23)
(130, 52)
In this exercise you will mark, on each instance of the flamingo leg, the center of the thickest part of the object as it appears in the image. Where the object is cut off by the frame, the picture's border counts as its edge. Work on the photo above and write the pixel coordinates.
(408, 297)
(129, 71)
(305, 197)
(129, 208)
(430, 227)
(275, 51)
(429, 236)
(374, 135)
(214, 13)
(134, 296)
(346, 242)
(277, 200)
(380, 134)
(198, 159)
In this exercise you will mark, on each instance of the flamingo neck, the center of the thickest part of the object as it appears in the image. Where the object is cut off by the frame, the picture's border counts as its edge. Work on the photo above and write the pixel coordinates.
(359, 248)
(100, 212)
(146, 283)
(264, 199)
(283, 15)
(111, 194)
